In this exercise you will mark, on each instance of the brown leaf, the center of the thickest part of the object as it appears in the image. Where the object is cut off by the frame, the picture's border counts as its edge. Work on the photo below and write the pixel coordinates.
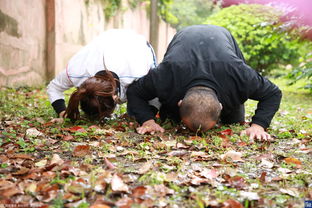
(231, 203)
(76, 128)
(118, 185)
(262, 177)
(81, 150)
(21, 171)
(8, 189)
(124, 202)
(177, 153)
(145, 167)
(21, 156)
(99, 206)
(290, 160)
(237, 182)
(110, 165)
(56, 159)
(209, 174)
(68, 138)
(139, 191)
(235, 156)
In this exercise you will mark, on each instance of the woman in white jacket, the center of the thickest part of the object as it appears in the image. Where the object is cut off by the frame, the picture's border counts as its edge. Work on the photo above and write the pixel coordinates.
(101, 71)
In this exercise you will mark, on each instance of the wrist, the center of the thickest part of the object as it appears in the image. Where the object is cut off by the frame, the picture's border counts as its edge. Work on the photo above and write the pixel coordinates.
(257, 126)
(148, 122)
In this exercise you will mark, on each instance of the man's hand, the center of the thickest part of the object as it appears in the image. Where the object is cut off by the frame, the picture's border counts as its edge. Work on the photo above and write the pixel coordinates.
(150, 126)
(257, 132)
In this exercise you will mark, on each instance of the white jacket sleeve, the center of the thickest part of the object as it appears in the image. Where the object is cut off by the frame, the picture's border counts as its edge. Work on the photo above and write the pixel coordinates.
(58, 85)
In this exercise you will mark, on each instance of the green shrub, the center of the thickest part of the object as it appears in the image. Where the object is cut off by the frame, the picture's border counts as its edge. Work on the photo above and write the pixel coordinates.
(303, 72)
(263, 39)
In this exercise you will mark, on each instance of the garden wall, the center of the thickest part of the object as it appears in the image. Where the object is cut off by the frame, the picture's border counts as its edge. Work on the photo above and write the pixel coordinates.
(37, 37)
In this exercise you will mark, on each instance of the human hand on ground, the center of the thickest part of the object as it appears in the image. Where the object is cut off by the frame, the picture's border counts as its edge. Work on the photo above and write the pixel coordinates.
(257, 132)
(60, 119)
(150, 126)
(62, 114)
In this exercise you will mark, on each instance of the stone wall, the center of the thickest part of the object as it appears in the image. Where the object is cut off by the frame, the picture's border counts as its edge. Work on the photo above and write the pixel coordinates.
(22, 42)
(37, 37)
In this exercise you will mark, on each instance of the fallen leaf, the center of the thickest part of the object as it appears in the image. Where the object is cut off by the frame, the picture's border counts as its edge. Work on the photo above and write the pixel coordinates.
(41, 163)
(33, 132)
(21, 156)
(249, 195)
(266, 163)
(81, 150)
(76, 128)
(118, 185)
(21, 171)
(231, 203)
(234, 156)
(177, 153)
(290, 160)
(110, 165)
(100, 206)
(56, 159)
(31, 188)
(209, 174)
(68, 138)
(237, 182)
(226, 132)
(262, 177)
(291, 191)
(139, 191)
(145, 167)
(159, 190)
(124, 202)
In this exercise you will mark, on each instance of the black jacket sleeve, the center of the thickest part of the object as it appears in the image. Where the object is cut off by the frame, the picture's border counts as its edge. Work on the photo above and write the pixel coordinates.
(268, 95)
(138, 95)
(59, 106)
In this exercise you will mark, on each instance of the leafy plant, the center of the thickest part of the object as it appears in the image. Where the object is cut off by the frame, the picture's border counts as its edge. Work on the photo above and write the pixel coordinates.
(182, 13)
(303, 72)
(264, 40)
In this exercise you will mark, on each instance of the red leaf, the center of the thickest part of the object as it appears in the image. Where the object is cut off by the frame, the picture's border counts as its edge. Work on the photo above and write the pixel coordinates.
(231, 203)
(81, 150)
(68, 138)
(76, 128)
(226, 132)
(262, 177)
(139, 191)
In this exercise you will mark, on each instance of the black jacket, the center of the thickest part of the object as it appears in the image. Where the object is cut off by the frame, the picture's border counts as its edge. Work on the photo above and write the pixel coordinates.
(203, 55)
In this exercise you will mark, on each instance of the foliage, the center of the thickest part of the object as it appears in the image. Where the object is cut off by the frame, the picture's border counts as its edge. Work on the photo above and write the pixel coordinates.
(111, 7)
(303, 72)
(181, 13)
(264, 40)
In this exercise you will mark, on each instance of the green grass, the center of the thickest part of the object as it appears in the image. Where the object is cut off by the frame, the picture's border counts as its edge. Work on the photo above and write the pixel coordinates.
(175, 169)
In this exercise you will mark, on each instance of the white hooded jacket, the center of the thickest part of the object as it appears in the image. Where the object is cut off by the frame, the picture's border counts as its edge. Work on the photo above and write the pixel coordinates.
(125, 53)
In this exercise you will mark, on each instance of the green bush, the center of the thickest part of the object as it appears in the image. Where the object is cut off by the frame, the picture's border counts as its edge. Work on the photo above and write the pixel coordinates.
(264, 40)
(303, 72)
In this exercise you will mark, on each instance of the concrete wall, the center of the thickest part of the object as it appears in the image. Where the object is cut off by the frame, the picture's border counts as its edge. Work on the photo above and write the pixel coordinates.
(22, 42)
(77, 23)
(37, 37)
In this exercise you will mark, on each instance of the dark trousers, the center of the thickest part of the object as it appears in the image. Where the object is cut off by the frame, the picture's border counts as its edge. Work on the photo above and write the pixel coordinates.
(235, 116)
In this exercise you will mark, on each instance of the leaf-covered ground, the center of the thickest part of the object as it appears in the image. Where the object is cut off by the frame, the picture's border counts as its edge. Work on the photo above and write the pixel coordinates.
(45, 163)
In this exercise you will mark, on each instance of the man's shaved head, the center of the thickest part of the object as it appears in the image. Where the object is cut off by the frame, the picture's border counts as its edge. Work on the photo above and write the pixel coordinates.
(200, 109)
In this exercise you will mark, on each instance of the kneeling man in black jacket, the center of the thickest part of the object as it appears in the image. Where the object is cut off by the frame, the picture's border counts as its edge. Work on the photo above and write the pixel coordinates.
(204, 79)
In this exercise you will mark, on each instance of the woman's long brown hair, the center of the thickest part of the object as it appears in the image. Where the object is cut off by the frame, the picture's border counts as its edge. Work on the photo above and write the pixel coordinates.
(95, 97)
